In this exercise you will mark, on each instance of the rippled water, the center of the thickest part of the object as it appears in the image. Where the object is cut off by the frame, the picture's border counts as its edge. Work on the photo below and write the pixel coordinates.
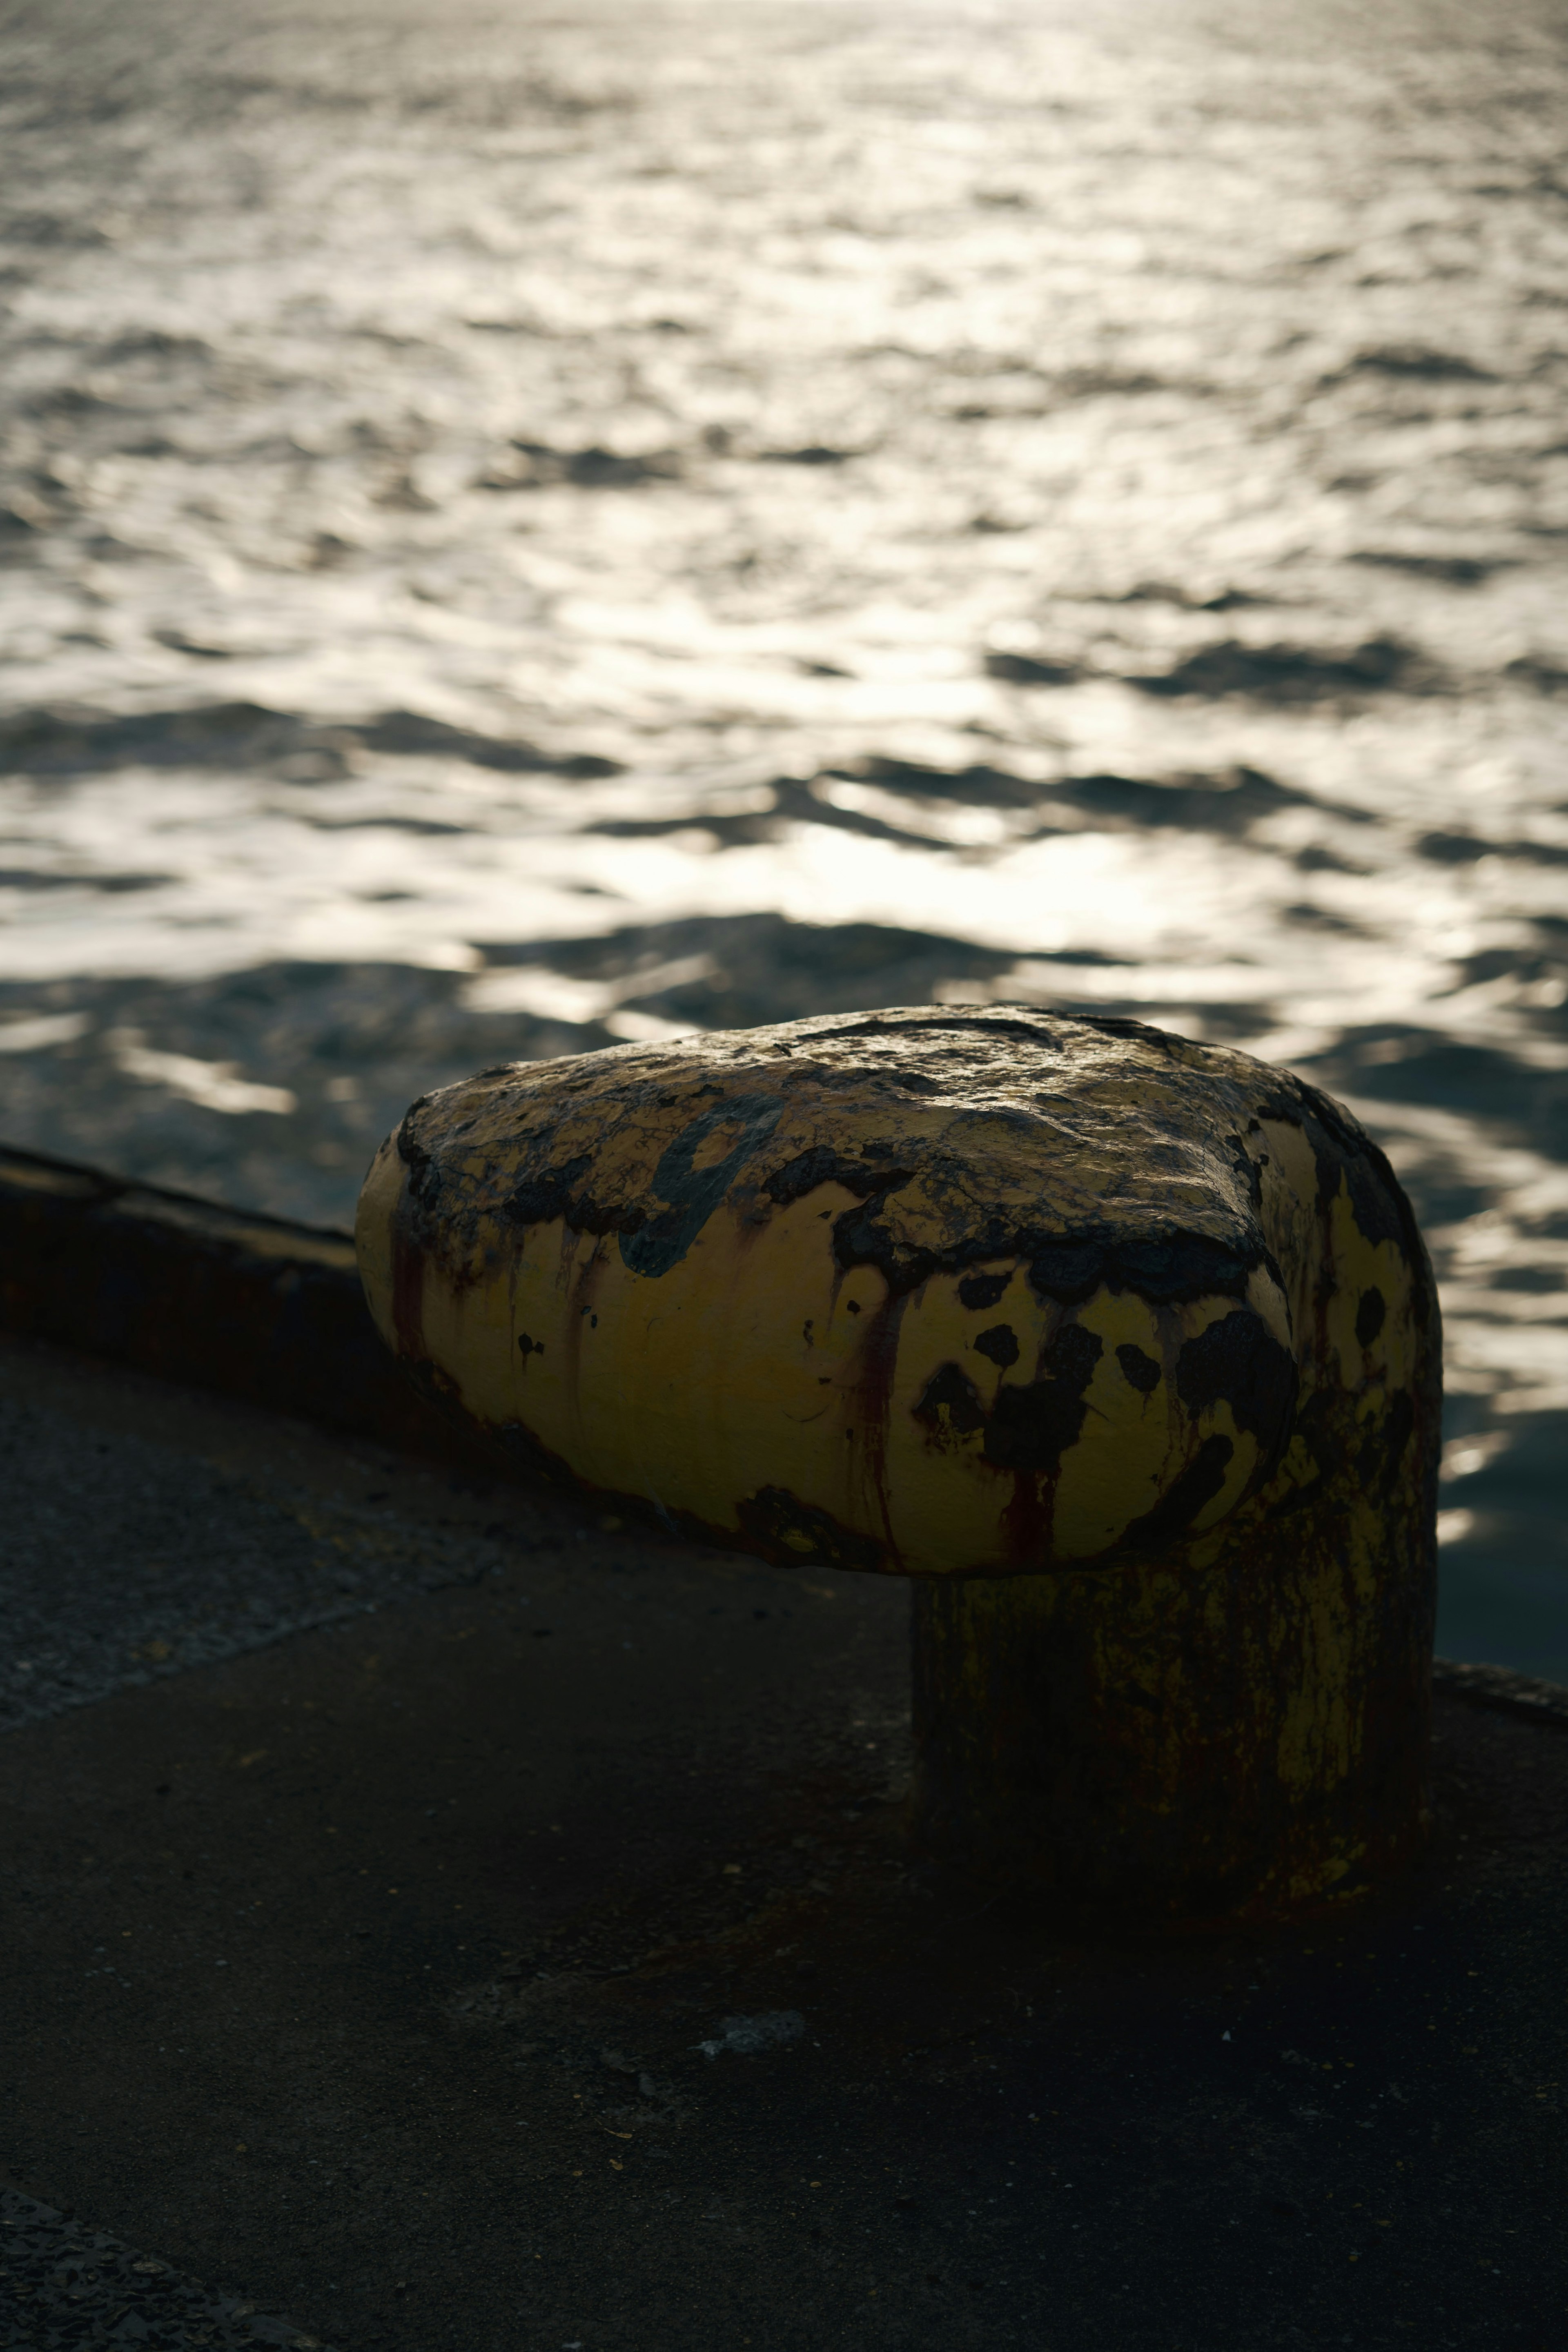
(522, 529)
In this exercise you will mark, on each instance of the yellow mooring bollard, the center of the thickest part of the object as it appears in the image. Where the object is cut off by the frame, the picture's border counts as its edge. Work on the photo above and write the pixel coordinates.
(1126, 1348)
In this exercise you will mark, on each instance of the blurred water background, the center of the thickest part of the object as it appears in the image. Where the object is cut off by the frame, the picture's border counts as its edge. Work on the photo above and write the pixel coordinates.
(527, 527)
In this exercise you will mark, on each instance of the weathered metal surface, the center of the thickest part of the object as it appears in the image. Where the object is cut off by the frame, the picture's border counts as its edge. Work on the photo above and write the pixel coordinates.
(1129, 1345)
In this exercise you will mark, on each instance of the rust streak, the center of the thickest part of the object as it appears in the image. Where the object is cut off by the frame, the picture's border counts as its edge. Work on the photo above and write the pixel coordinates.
(408, 1295)
(873, 1395)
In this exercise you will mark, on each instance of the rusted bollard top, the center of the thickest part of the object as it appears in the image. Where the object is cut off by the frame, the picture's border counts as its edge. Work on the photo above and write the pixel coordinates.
(935, 1292)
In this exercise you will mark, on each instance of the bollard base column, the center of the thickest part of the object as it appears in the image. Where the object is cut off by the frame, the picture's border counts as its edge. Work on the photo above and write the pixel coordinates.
(1151, 1743)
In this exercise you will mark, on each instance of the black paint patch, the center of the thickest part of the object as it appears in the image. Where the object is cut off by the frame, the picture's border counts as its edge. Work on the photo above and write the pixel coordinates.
(1029, 1427)
(789, 1531)
(982, 1289)
(1369, 1317)
(1032, 1427)
(693, 1193)
(822, 1165)
(1376, 1206)
(1068, 1270)
(1185, 1496)
(1161, 1264)
(950, 1390)
(562, 1192)
(1384, 1451)
(1239, 1362)
(1140, 1370)
(530, 1346)
(1178, 1266)
(1378, 1201)
(410, 1150)
(1000, 1343)
(1162, 1268)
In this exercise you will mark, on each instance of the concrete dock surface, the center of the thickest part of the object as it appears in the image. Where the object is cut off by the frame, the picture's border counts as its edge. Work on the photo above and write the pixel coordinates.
(437, 1915)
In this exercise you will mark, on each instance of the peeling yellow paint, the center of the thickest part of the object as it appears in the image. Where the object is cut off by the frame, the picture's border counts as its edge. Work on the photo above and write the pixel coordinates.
(748, 1356)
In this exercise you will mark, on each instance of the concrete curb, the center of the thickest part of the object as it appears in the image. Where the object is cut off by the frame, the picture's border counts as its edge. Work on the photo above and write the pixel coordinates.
(1496, 1686)
(248, 1305)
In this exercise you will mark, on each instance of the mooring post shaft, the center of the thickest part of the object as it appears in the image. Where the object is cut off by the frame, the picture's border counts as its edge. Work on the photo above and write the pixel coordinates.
(1238, 1728)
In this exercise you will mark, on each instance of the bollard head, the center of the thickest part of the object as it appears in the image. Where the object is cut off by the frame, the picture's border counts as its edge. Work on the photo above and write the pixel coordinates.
(944, 1293)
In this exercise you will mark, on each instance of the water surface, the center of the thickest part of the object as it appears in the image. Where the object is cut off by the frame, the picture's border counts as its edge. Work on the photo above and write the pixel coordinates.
(519, 530)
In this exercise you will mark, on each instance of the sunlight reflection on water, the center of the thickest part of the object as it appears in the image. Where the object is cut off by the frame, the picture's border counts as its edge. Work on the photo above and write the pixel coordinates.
(518, 534)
